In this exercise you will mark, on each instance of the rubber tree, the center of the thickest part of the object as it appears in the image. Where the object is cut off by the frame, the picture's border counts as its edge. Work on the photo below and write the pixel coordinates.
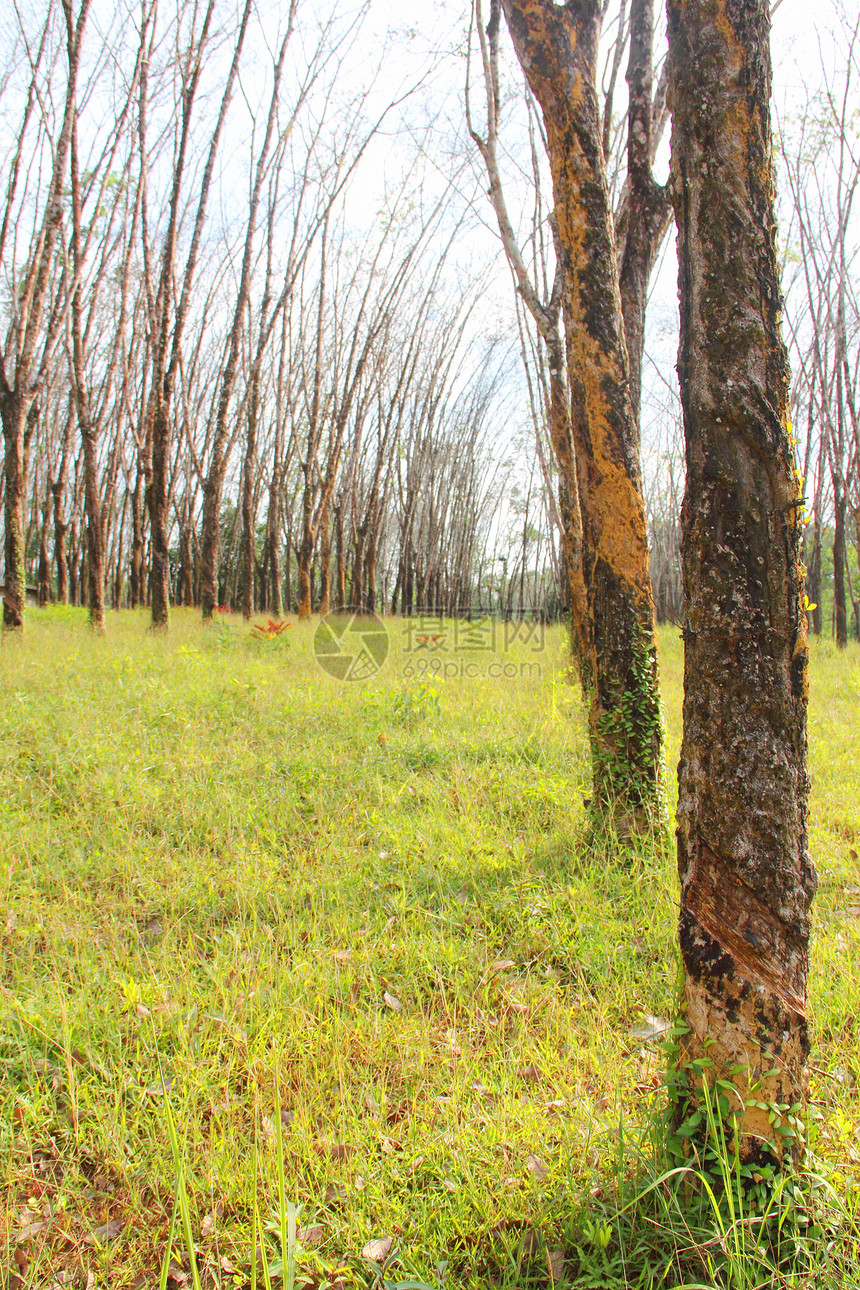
(26, 350)
(746, 877)
(557, 46)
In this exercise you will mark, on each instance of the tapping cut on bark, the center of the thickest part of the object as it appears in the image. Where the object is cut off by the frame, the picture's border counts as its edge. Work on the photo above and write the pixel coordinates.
(557, 48)
(746, 877)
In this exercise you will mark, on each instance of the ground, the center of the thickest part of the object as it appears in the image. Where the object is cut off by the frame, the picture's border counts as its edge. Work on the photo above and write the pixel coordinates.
(362, 920)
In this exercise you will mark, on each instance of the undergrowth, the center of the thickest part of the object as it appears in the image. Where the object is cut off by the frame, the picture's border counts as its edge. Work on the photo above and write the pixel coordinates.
(326, 980)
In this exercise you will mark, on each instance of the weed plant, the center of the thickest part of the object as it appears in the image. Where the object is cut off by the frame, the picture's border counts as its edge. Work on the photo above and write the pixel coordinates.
(320, 983)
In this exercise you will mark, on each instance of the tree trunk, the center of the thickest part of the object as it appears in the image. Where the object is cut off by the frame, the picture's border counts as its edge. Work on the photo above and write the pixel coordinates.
(557, 47)
(340, 563)
(813, 577)
(647, 208)
(209, 547)
(156, 496)
(13, 410)
(135, 576)
(95, 537)
(840, 562)
(746, 877)
(325, 559)
(249, 517)
(44, 562)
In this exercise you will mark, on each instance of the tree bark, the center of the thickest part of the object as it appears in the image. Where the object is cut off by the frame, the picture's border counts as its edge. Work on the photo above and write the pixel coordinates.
(557, 47)
(746, 877)
(13, 410)
(647, 207)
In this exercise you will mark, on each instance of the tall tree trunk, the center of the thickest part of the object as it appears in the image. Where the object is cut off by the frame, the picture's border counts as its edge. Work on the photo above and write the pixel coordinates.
(840, 561)
(13, 410)
(272, 557)
(304, 553)
(746, 877)
(157, 500)
(813, 577)
(557, 47)
(325, 559)
(135, 576)
(647, 208)
(61, 526)
(249, 516)
(44, 562)
(340, 563)
(95, 537)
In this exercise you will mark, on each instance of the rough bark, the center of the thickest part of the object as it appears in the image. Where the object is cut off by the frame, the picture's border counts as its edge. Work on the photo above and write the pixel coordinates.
(546, 315)
(746, 877)
(13, 410)
(647, 205)
(557, 47)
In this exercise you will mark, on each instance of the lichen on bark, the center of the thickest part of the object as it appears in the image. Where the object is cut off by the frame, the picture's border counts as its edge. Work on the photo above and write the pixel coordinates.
(557, 48)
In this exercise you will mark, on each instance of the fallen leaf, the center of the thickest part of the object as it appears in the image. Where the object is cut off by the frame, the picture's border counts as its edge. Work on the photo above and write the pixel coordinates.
(311, 1235)
(392, 1001)
(30, 1230)
(107, 1232)
(267, 1124)
(207, 1227)
(529, 1243)
(555, 1105)
(528, 1072)
(379, 1249)
(226, 1266)
(502, 965)
(449, 1185)
(159, 1088)
(852, 853)
(555, 1259)
(335, 1192)
(360, 1183)
(651, 1028)
(537, 1168)
(142, 1010)
(342, 956)
(176, 1272)
(338, 1150)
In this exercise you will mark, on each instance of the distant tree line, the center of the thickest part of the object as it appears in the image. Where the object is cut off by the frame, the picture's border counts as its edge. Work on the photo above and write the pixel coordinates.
(223, 381)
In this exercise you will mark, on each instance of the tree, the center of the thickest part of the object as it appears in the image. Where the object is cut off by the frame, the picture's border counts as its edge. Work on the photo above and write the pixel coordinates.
(557, 48)
(746, 877)
(27, 349)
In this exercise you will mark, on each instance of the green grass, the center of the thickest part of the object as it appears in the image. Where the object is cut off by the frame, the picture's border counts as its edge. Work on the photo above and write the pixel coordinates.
(231, 884)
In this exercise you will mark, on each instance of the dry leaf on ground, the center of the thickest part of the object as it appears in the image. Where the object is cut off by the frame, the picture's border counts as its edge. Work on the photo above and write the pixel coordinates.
(378, 1249)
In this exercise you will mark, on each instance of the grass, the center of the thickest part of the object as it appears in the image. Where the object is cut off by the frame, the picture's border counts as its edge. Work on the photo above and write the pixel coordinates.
(271, 940)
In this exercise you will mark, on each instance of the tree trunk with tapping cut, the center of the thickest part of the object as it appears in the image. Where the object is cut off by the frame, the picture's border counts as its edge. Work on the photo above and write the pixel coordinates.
(746, 877)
